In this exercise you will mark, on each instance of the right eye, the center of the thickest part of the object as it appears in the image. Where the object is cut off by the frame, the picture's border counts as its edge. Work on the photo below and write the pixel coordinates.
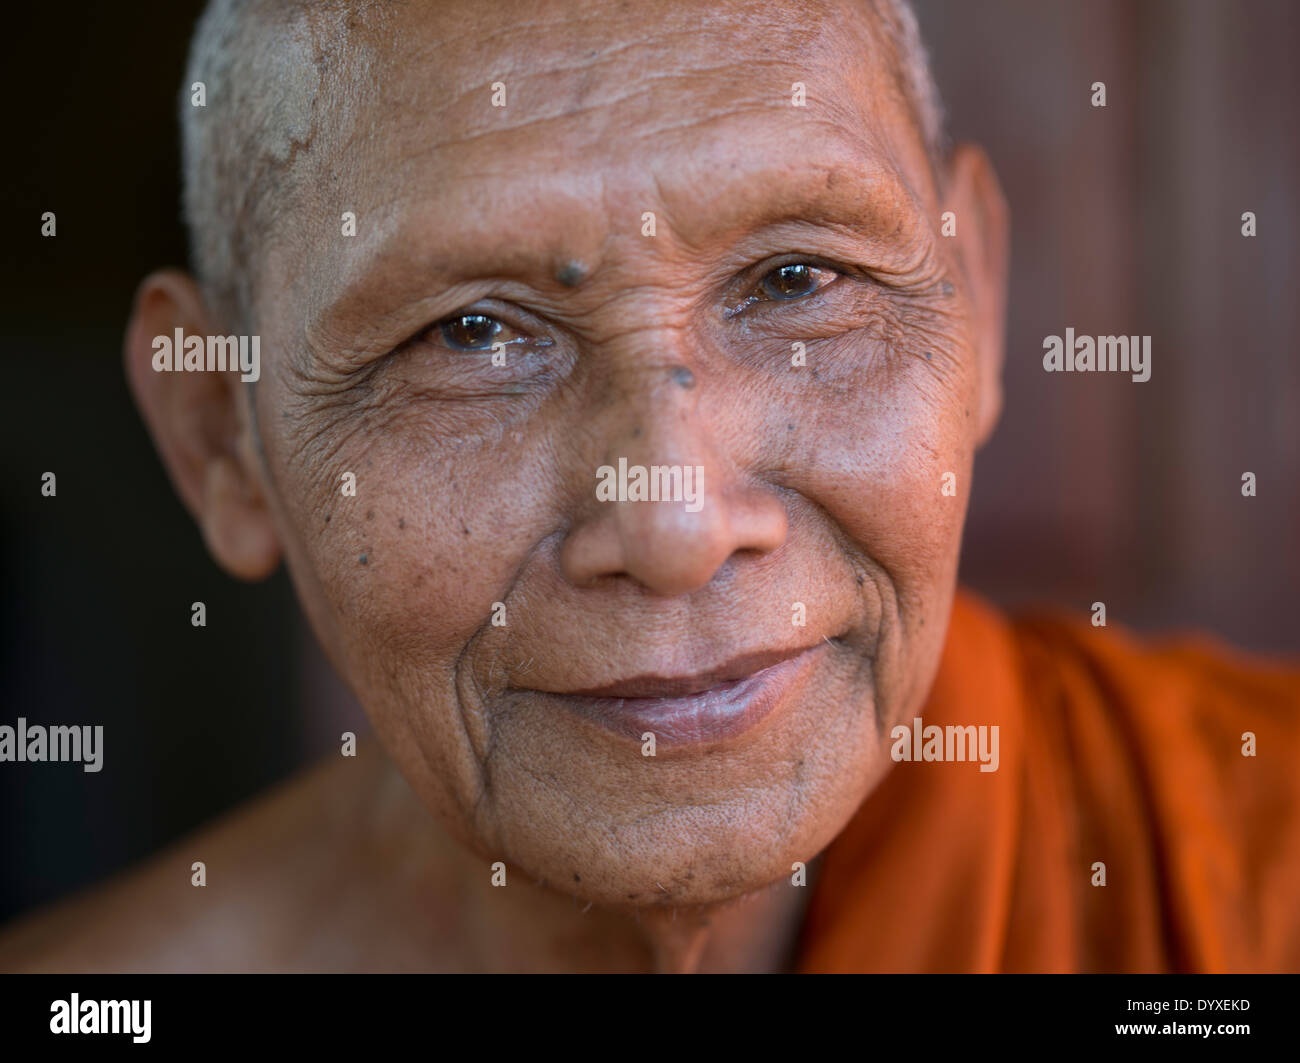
(471, 332)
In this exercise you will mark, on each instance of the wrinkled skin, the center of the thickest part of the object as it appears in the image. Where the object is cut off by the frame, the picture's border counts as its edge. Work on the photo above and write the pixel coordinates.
(475, 483)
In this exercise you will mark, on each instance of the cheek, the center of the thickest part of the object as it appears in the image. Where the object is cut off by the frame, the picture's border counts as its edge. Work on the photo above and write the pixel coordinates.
(402, 544)
(889, 460)
(888, 455)
(401, 580)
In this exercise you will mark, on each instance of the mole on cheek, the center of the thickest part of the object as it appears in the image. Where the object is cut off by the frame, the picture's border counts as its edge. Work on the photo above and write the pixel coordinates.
(683, 376)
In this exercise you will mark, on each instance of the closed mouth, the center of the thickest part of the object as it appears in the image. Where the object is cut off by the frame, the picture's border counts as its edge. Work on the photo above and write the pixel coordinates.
(705, 707)
(659, 686)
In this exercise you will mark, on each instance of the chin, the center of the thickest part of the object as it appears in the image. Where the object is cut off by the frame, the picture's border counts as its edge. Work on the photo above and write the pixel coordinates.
(693, 855)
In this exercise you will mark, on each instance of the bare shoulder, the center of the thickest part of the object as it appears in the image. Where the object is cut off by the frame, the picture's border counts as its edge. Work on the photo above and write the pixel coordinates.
(287, 885)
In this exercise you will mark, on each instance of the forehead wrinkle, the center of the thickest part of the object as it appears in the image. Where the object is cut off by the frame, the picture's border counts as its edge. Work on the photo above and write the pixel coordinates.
(838, 175)
(578, 62)
(653, 94)
(581, 36)
(644, 103)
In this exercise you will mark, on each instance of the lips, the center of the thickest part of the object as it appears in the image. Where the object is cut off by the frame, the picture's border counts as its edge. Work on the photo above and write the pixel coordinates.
(705, 707)
(654, 686)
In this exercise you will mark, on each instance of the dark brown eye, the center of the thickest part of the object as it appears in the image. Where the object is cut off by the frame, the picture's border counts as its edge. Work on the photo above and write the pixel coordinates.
(790, 282)
(470, 332)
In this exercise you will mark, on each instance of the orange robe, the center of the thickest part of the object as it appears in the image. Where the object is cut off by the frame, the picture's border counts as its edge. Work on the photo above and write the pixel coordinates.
(1110, 751)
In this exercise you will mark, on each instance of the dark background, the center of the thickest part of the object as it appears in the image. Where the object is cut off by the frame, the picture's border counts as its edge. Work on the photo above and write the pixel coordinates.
(1126, 221)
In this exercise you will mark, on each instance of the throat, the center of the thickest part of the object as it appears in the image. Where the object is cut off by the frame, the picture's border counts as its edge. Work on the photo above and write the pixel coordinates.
(758, 933)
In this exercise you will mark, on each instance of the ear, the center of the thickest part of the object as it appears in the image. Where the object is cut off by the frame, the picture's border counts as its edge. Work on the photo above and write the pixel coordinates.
(973, 193)
(201, 426)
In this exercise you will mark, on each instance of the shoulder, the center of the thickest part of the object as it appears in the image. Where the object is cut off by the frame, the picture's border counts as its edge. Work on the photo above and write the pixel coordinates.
(271, 872)
(1181, 758)
(1187, 691)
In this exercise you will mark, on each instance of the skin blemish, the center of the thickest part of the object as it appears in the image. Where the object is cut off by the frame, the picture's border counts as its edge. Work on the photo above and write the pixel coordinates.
(365, 559)
(683, 377)
(571, 274)
(401, 522)
(370, 513)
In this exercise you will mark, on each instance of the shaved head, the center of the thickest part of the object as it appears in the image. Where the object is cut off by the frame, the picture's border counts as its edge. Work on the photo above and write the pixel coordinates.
(273, 72)
(277, 72)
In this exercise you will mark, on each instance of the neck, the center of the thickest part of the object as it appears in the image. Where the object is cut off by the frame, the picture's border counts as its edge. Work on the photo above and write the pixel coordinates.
(752, 934)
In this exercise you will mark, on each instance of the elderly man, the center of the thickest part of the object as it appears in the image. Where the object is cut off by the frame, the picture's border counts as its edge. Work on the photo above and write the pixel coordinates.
(622, 371)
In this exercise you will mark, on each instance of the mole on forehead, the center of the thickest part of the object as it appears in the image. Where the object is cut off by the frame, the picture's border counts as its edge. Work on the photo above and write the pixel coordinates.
(571, 274)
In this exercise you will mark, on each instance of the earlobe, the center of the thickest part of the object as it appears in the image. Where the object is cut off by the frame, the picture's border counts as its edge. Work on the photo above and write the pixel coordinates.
(236, 524)
(974, 194)
(199, 427)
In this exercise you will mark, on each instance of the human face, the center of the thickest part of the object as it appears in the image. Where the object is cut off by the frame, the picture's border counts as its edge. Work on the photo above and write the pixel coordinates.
(776, 228)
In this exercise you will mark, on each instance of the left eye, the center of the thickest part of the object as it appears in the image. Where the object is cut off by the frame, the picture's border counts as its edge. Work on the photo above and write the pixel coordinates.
(794, 281)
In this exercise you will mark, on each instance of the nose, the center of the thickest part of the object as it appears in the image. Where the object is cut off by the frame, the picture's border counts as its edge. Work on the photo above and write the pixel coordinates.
(668, 506)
